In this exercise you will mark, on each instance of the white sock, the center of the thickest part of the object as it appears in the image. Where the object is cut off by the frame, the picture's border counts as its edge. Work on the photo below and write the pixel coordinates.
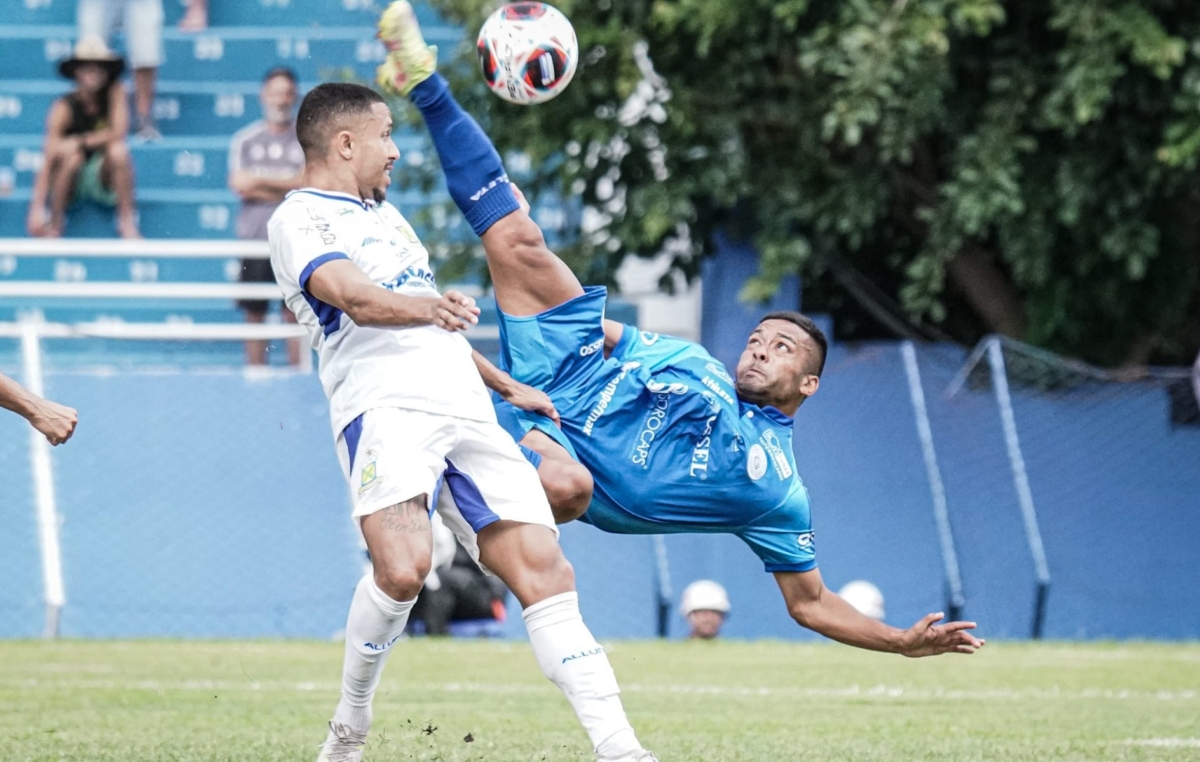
(374, 624)
(577, 664)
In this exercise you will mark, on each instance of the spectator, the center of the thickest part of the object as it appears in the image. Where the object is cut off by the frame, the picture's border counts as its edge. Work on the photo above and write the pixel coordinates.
(86, 156)
(456, 590)
(705, 605)
(265, 163)
(196, 18)
(54, 421)
(141, 23)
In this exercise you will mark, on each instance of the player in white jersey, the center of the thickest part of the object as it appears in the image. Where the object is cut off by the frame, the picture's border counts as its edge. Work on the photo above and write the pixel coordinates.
(411, 416)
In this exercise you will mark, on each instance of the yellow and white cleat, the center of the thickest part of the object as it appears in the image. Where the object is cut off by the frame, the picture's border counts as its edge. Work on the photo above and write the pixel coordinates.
(410, 60)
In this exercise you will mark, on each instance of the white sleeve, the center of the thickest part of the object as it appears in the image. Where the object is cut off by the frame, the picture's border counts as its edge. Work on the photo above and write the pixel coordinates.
(301, 241)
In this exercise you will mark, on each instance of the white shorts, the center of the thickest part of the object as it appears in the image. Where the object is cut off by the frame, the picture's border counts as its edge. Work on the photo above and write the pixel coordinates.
(139, 21)
(473, 472)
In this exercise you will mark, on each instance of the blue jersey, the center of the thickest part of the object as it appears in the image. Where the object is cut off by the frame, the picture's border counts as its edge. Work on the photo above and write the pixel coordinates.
(670, 446)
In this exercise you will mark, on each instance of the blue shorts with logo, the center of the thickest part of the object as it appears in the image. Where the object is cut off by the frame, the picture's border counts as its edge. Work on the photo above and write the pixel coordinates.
(558, 351)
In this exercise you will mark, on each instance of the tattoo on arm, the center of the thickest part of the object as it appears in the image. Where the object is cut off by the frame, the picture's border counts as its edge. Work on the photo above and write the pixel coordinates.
(409, 517)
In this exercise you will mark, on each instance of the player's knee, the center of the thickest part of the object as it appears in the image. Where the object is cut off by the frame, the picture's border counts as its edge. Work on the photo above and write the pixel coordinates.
(568, 487)
(547, 573)
(402, 582)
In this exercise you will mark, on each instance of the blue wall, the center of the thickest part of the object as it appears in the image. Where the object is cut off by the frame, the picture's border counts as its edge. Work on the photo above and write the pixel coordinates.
(210, 504)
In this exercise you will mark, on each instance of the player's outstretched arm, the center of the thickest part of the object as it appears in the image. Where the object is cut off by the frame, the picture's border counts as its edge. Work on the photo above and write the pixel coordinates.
(818, 608)
(513, 391)
(342, 284)
(56, 422)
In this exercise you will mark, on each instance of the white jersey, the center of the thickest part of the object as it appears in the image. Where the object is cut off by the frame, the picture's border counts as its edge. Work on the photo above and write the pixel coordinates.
(420, 368)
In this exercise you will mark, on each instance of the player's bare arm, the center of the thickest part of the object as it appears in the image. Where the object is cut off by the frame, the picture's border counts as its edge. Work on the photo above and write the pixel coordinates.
(514, 392)
(344, 285)
(56, 422)
(818, 608)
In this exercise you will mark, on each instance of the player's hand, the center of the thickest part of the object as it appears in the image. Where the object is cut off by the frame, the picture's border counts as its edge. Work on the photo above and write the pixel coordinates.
(928, 638)
(532, 401)
(56, 422)
(454, 311)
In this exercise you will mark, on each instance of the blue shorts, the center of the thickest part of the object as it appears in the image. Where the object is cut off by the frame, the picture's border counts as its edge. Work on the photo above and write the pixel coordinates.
(558, 351)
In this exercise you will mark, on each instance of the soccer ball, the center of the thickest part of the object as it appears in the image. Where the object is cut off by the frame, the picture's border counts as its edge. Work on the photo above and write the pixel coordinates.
(528, 52)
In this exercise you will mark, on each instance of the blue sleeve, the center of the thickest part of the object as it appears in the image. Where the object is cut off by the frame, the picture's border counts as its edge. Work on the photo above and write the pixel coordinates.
(783, 538)
(655, 351)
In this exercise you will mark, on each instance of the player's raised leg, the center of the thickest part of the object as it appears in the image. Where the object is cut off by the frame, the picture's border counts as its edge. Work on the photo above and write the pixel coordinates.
(528, 278)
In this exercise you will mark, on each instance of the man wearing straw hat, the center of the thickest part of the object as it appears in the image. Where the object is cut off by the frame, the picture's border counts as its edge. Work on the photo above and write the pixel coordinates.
(86, 156)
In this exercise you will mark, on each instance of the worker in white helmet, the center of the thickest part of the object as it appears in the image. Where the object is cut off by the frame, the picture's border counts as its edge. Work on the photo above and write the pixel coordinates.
(705, 605)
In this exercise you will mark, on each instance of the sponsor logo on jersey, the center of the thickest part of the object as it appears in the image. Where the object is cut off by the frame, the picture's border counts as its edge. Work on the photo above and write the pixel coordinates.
(805, 540)
(606, 395)
(756, 462)
(648, 338)
(650, 427)
(675, 387)
(718, 370)
(778, 456)
(590, 349)
(716, 388)
(319, 227)
(417, 277)
(702, 450)
(368, 241)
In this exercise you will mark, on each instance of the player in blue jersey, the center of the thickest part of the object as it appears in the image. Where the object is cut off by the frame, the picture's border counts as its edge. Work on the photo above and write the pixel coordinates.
(672, 441)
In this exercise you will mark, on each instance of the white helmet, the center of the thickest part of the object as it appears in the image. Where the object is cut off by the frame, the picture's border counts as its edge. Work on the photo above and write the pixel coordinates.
(704, 595)
(864, 597)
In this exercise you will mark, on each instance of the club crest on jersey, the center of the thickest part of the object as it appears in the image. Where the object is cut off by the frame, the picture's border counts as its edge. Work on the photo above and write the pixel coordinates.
(778, 456)
(756, 462)
(407, 232)
(370, 476)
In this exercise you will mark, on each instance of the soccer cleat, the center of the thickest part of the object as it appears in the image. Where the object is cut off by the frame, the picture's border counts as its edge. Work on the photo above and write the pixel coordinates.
(638, 756)
(343, 744)
(410, 61)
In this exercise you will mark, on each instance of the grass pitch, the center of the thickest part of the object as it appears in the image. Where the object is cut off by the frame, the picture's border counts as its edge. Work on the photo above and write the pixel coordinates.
(460, 701)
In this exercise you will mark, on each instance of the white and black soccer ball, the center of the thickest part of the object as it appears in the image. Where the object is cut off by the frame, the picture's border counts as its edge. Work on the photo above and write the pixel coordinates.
(528, 52)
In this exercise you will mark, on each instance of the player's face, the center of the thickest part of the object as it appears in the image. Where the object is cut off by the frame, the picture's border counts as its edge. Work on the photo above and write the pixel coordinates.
(374, 153)
(278, 97)
(777, 367)
(706, 624)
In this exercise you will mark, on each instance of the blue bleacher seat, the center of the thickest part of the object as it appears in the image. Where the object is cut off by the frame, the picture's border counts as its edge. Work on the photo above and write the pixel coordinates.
(207, 90)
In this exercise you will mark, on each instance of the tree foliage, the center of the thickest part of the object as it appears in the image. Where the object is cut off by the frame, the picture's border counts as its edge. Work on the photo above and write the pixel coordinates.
(1027, 167)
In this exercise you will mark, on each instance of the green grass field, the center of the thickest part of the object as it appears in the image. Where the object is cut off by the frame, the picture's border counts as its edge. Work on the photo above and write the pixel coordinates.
(453, 701)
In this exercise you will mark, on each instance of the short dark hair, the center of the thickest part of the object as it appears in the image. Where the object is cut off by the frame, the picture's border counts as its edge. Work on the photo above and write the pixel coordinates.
(327, 107)
(807, 325)
(280, 71)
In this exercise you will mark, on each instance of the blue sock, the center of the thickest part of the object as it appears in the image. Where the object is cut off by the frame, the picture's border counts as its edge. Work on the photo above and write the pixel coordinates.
(474, 173)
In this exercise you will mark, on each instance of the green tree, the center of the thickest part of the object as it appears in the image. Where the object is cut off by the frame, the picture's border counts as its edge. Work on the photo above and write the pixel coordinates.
(1025, 167)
